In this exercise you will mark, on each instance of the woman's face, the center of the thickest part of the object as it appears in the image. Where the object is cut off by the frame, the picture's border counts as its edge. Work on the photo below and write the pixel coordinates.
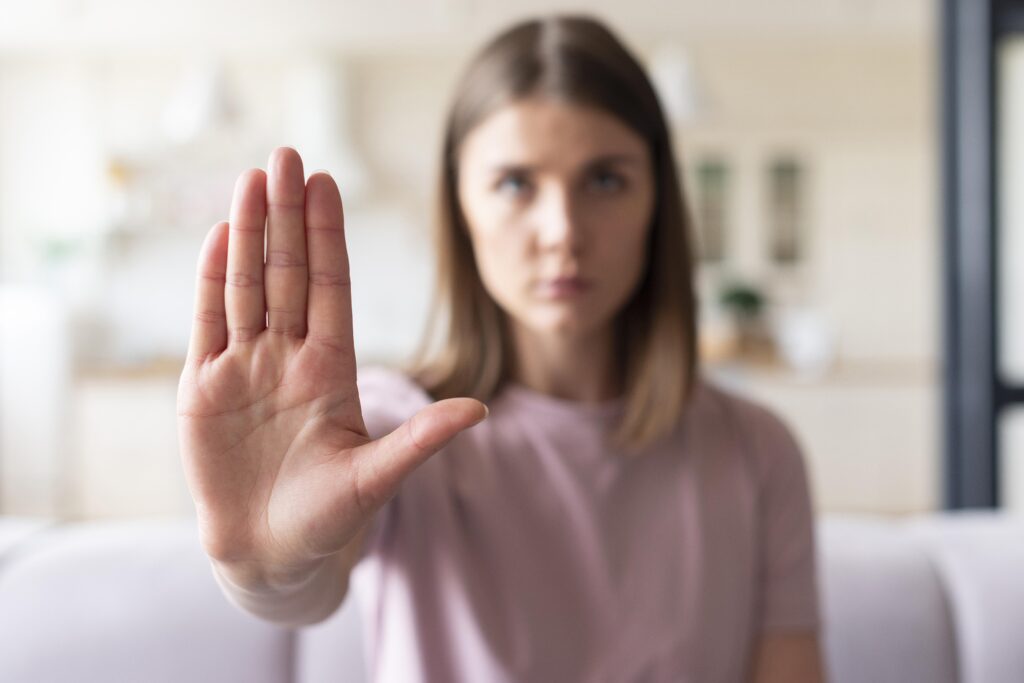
(553, 190)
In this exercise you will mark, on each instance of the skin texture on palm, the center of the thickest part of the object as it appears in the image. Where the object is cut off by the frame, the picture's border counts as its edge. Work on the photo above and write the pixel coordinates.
(275, 451)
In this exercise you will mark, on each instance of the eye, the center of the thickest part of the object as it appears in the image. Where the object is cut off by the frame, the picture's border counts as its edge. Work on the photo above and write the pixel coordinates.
(606, 181)
(513, 184)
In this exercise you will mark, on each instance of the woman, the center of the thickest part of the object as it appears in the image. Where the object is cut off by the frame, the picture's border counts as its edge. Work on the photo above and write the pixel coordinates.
(615, 517)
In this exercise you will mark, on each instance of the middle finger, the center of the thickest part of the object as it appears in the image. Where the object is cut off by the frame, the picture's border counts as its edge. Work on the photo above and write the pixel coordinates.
(286, 270)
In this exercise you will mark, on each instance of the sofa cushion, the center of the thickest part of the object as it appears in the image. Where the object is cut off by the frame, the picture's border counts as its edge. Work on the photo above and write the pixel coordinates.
(15, 531)
(884, 606)
(980, 559)
(128, 601)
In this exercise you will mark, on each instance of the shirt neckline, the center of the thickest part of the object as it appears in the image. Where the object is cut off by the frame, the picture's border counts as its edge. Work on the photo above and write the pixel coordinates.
(523, 394)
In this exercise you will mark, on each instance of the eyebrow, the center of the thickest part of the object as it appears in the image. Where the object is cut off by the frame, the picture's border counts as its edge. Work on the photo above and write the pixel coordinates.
(604, 159)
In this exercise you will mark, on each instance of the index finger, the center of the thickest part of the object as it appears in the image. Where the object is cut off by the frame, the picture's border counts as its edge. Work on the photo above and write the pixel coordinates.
(330, 289)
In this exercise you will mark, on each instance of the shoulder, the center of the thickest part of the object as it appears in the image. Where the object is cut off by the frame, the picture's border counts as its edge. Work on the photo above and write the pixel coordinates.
(765, 439)
(388, 397)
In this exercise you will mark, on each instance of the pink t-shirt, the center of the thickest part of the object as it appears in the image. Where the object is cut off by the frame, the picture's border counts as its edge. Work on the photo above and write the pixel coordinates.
(529, 550)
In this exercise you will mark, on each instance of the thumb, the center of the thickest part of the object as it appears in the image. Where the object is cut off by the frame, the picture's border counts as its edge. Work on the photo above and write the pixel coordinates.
(384, 463)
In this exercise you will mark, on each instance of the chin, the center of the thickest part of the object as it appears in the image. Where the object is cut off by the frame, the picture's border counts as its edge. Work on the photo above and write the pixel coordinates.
(564, 324)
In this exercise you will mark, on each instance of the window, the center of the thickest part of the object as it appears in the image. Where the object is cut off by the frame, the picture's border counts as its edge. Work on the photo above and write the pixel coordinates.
(712, 209)
(785, 211)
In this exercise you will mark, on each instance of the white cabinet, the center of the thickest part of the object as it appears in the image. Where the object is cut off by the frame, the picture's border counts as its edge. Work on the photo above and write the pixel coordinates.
(125, 454)
(870, 433)
(870, 436)
(35, 361)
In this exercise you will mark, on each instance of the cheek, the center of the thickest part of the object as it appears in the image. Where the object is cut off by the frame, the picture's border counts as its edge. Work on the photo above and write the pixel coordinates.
(624, 229)
(497, 263)
(501, 254)
(626, 266)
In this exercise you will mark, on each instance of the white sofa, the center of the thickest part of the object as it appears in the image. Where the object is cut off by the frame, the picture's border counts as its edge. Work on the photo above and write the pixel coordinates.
(938, 599)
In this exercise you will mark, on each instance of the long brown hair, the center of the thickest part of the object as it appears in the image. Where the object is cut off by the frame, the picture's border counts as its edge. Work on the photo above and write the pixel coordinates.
(578, 60)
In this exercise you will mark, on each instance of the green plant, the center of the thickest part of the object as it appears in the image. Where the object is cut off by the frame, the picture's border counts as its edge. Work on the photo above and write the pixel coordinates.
(743, 300)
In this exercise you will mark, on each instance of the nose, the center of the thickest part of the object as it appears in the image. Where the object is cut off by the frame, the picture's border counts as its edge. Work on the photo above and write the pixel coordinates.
(558, 222)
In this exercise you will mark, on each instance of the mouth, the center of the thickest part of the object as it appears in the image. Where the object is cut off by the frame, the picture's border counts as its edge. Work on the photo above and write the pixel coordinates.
(563, 287)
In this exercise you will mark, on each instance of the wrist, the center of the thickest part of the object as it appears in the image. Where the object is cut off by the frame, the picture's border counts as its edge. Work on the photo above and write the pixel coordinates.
(259, 580)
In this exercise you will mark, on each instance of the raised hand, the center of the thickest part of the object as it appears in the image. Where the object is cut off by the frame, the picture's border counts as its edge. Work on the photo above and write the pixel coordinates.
(275, 451)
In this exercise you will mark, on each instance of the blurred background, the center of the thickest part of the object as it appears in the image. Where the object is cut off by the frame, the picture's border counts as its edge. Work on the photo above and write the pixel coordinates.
(809, 133)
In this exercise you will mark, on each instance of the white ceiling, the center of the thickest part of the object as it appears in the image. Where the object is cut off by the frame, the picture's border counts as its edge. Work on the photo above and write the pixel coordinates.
(390, 25)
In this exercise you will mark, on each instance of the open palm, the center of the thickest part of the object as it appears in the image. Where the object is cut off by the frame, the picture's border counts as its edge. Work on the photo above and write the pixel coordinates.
(275, 451)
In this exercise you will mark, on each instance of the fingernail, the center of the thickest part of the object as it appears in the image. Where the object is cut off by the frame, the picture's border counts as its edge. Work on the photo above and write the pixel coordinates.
(321, 170)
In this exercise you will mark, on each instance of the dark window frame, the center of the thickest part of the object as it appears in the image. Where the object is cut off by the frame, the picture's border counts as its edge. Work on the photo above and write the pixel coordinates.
(975, 395)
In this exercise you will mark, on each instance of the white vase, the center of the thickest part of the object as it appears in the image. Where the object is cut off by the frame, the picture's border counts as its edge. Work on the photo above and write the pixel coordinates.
(806, 340)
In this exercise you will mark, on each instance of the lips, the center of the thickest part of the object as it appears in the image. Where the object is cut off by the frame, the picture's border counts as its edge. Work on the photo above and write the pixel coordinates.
(563, 286)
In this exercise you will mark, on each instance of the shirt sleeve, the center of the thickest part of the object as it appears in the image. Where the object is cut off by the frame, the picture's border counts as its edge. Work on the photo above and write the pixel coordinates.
(787, 555)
